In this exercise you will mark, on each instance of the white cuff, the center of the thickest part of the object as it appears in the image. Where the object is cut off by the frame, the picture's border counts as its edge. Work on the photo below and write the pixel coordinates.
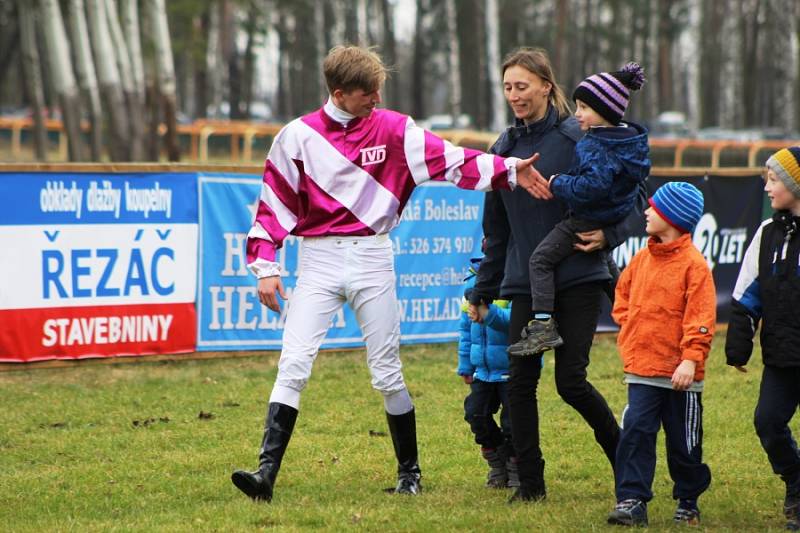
(264, 269)
(511, 168)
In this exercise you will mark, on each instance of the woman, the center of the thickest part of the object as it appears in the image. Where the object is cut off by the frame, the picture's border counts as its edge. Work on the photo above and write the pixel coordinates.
(514, 224)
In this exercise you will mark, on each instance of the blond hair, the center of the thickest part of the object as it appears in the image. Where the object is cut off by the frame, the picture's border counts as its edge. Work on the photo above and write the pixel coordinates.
(535, 60)
(353, 67)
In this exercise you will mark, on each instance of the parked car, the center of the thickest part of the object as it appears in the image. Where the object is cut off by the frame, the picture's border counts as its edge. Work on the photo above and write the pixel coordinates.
(671, 125)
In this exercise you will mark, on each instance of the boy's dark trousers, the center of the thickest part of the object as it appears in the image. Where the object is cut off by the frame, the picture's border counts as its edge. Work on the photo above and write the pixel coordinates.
(483, 401)
(553, 249)
(681, 414)
(777, 403)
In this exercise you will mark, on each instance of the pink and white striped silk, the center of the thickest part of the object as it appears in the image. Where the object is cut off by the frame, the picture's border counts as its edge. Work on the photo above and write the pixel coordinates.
(322, 178)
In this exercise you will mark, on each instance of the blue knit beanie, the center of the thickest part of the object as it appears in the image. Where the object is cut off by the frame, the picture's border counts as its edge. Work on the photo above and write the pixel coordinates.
(680, 204)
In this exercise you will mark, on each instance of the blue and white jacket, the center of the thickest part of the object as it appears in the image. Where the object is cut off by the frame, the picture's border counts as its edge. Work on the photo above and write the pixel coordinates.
(768, 291)
(482, 347)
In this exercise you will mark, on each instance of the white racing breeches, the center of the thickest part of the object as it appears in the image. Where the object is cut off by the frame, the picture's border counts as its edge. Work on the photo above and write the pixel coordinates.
(335, 270)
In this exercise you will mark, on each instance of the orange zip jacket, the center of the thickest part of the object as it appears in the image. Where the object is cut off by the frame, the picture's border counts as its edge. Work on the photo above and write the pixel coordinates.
(666, 307)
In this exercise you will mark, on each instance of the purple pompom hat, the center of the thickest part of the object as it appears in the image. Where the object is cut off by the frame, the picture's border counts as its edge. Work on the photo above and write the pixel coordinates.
(608, 92)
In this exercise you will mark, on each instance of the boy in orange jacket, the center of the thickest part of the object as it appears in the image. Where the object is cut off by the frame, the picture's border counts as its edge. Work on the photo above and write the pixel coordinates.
(666, 308)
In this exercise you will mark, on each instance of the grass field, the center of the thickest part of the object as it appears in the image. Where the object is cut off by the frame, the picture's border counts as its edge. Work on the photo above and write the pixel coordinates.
(149, 446)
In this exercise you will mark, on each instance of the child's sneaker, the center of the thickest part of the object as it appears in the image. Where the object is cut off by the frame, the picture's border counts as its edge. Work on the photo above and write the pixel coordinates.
(687, 516)
(497, 478)
(629, 513)
(537, 336)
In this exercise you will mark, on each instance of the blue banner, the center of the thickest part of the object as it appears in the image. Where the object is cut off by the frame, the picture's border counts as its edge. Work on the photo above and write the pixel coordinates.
(440, 231)
(48, 198)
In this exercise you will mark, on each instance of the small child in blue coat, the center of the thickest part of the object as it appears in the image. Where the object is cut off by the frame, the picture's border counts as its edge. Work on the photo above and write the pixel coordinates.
(611, 163)
(483, 364)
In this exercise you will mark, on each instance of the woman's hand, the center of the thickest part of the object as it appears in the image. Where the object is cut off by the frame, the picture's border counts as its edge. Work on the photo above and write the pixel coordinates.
(589, 241)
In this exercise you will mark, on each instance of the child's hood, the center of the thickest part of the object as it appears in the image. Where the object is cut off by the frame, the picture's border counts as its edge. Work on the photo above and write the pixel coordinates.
(629, 145)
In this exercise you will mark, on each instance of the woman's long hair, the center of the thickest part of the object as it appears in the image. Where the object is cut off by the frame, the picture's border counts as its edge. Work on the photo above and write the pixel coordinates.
(535, 60)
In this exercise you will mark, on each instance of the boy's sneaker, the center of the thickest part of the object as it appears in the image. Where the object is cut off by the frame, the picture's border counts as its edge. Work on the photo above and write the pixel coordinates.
(537, 336)
(629, 513)
(689, 517)
(497, 478)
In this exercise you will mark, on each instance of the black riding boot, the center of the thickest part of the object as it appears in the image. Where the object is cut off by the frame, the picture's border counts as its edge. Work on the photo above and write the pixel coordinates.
(404, 438)
(277, 432)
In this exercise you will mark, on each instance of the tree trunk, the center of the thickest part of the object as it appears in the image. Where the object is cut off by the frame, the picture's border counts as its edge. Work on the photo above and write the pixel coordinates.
(130, 33)
(248, 73)
(560, 39)
(363, 31)
(33, 76)
(213, 60)
(165, 73)
(63, 79)
(418, 62)
(453, 61)
(129, 89)
(87, 77)
(234, 70)
(320, 49)
(796, 83)
(498, 114)
(9, 42)
(109, 80)
(665, 35)
(390, 52)
(201, 70)
(710, 68)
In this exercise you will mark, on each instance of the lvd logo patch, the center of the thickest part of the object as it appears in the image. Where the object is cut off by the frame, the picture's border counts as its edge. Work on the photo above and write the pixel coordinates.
(373, 155)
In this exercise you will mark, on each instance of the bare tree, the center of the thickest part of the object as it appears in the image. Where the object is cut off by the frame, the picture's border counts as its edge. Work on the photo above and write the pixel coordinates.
(9, 46)
(87, 78)
(363, 32)
(453, 61)
(33, 76)
(319, 42)
(666, 35)
(214, 59)
(560, 40)
(390, 50)
(796, 83)
(498, 108)
(109, 79)
(418, 61)
(63, 79)
(129, 19)
(165, 73)
(710, 63)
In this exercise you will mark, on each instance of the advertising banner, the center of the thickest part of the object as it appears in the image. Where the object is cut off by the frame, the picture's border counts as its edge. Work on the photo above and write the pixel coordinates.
(440, 231)
(732, 214)
(97, 265)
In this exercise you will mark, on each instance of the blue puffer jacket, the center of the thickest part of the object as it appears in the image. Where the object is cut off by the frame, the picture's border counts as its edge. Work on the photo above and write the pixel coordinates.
(604, 184)
(482, 347)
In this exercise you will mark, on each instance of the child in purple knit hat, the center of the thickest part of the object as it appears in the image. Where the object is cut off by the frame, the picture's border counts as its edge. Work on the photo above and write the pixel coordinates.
(612, 160)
